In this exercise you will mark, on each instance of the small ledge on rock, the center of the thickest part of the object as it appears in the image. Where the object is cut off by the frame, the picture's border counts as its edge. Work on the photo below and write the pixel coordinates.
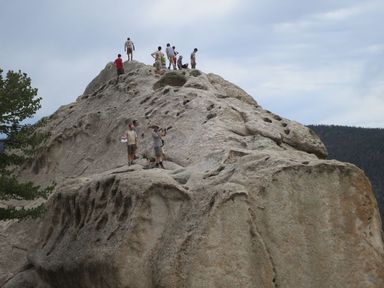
(196, 86)
(195, 73)
(214, 173)
(210, 107)
(171, 79)
(233, 155)
(211, 115)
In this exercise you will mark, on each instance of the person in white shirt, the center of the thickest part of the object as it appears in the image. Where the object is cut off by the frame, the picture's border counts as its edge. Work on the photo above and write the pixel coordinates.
(170, 54)
(129, 47)
(175, 53)
(131, 138)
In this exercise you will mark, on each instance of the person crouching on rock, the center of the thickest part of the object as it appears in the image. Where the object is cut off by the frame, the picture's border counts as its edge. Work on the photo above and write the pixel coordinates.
(157, 133)
(131, 137)
(180, 64)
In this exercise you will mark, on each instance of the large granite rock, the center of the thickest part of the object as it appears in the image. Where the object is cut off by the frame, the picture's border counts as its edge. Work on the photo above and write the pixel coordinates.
(246, 199)
(16, 239)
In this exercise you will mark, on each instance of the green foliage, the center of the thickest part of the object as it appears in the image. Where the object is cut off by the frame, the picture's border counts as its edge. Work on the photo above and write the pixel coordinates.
(10, 188)
(360, 146)
(19, 101)
(13, 213)
(23, 144)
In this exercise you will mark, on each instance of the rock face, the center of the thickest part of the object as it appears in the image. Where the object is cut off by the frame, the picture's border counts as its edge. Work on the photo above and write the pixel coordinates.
(246, 199)
(16, 239)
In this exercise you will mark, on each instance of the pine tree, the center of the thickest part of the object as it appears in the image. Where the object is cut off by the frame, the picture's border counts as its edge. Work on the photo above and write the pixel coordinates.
(18, 102)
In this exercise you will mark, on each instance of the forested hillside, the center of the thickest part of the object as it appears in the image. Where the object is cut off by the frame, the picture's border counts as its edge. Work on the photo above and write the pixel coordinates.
(363, 147)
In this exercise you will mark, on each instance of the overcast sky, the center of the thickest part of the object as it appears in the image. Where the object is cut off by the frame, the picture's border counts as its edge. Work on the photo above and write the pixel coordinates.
(316, 62)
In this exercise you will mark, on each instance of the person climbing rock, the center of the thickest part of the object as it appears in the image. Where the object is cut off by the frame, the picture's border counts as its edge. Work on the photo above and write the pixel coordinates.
(131, 139)
(129, 47)
(119, 66)
(170, 54)
(180, 64)
(193, 58)
(157, 135)
(157, 55)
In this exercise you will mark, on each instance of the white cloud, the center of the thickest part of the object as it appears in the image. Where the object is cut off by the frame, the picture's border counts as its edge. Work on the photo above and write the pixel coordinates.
(374, 49)
(181, 13)
(317, 20)
(292, 25)
(286, 77)
(360, 107)
(309, 94)
(341, 14)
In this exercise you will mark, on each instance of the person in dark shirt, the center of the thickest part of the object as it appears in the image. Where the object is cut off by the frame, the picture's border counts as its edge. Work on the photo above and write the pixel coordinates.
(193, 58)
(158, 142)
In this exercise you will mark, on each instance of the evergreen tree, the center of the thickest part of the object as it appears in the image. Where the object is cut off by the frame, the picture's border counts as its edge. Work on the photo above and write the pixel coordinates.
(18, 101)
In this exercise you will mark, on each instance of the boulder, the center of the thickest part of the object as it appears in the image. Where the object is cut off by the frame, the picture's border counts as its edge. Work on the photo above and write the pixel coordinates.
(246, 198)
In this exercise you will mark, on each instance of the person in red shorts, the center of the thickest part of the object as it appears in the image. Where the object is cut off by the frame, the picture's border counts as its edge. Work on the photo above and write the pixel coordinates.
(119, 65)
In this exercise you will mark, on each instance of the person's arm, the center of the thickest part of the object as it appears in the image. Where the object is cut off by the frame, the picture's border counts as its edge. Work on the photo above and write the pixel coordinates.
(155, 135)
(125, 136)
(125, 47)
(133, 46)
(153, 55)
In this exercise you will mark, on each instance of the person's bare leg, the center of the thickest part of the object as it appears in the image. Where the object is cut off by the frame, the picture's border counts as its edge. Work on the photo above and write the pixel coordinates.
(157, 161)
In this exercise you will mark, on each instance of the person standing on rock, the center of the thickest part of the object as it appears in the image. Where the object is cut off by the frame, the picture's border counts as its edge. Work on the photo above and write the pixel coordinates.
(193, 58)
(136, 129)
(158, 55)
(170, 54)
(157, 135)
(119, 65)
(174, 57)
(131, 138)
(129, 47)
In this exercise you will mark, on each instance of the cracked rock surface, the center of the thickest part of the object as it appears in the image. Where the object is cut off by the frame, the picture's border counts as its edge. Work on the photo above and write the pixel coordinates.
(246, 199)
